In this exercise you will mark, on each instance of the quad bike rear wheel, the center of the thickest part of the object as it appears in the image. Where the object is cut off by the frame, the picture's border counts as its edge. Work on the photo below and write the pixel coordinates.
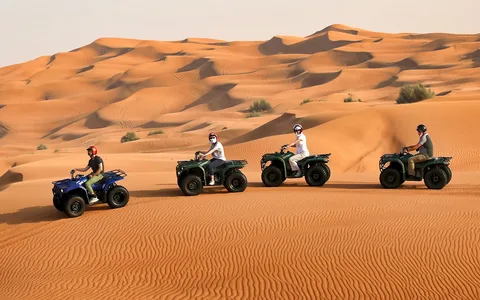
(449, 173)
(316, 175)
(191, 185)
(236, 182)
(118, 197)
(436, 178)
(327, 170)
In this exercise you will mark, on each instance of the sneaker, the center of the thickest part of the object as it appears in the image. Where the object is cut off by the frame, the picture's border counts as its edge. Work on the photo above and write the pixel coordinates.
(93, 200)
(212, 182)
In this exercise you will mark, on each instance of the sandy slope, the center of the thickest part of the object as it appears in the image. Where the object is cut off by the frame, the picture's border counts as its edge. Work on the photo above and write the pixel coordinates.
(348, 239)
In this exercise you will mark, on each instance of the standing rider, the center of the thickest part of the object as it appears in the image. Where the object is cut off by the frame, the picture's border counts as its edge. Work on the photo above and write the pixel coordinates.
(424, 147)
(96, 163)
(218, 155)
(300, 144)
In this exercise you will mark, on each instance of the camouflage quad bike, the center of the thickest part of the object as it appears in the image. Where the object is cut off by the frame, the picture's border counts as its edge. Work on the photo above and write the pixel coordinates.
(435, 172)
(192, 175)
(313, 167)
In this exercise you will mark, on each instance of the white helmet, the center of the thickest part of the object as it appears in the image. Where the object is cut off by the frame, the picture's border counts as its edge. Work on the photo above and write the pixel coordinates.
(297, 127)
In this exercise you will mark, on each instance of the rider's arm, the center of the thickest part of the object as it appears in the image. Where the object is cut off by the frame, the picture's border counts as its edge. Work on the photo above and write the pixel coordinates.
(422, 141)
(83, 169)
(413, 147)
(211, 150)
(294, 144)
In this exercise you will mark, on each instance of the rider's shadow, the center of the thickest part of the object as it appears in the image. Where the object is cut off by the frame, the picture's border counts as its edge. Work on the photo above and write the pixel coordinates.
(35, 214)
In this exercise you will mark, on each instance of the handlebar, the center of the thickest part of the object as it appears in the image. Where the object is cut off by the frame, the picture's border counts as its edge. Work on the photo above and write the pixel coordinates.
(197, 156)
(75, 177)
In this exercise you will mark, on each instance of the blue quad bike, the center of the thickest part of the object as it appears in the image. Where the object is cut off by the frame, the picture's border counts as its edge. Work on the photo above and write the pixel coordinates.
(71, 197)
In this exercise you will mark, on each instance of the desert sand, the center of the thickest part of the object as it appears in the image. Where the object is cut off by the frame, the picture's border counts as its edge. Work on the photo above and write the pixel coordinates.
(349, 239)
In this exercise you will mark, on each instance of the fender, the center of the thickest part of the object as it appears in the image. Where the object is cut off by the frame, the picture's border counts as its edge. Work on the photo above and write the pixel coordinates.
(396, 161)
(109, 182)
(189, 169)
(274, 160)
(313, 161)
(82, 192)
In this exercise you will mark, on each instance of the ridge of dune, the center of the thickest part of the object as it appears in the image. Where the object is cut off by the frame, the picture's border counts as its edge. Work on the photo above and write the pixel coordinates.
(348, 238)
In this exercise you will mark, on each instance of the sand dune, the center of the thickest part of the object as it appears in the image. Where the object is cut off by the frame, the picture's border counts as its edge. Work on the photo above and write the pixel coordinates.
(347, 239)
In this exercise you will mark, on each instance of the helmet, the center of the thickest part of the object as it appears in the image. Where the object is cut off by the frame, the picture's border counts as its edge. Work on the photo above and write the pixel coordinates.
(297, 127)
(94, 149)
(422, 128)
(212, 136)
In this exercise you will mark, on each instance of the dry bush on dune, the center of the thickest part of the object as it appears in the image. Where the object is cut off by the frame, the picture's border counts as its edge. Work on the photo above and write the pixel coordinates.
(129, 137)
(414, 93)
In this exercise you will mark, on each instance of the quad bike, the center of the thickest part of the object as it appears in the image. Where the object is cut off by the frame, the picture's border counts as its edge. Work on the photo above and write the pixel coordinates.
(435, 171)
(71, 196)
(313, 167)
(192, 175)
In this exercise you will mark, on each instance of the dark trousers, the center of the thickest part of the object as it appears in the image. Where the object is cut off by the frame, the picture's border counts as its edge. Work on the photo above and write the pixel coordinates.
(214, 163)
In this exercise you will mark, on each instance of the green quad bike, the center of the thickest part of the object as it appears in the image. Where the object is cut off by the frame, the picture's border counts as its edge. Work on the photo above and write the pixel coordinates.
(313, 167)
(435, 172)
(192, 175)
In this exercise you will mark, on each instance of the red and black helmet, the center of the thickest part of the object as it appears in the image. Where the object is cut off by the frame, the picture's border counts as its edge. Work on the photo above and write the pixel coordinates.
(212, 134)
(94, 149)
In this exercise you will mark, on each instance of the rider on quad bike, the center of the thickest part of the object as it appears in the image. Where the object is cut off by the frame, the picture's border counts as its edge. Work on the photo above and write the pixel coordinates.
(218, 155)
(300, 144)
(424, 147)
(96, 163)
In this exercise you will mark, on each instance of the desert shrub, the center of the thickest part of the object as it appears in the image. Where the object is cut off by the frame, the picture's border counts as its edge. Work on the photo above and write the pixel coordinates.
(252, 115)
(414, 93)
(130, 136)
(306, 101)
(350, 99)
(261, 105)
(159, 131)
(41, 147)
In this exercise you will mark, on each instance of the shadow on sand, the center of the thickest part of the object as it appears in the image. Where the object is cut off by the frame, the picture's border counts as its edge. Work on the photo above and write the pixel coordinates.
(33, 214)
(328, 185)
(174, 192)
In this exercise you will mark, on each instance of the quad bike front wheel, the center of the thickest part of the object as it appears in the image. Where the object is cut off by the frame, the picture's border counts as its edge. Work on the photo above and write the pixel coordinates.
(191, 185)
(74, 206)
(236, 182)
(390, 178)
(272, 176)
(118, 197)
(436, 179)
(316, 175)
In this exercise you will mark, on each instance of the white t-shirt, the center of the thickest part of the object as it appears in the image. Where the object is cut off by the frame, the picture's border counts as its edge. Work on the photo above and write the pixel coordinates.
(302, 145)
(218, 152)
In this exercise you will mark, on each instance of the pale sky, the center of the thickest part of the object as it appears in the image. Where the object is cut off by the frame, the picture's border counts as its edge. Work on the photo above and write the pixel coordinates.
(33, 28)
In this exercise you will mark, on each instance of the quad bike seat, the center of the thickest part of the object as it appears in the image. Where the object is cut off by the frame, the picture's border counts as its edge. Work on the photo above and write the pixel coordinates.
(310, 157)
(110, 174)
